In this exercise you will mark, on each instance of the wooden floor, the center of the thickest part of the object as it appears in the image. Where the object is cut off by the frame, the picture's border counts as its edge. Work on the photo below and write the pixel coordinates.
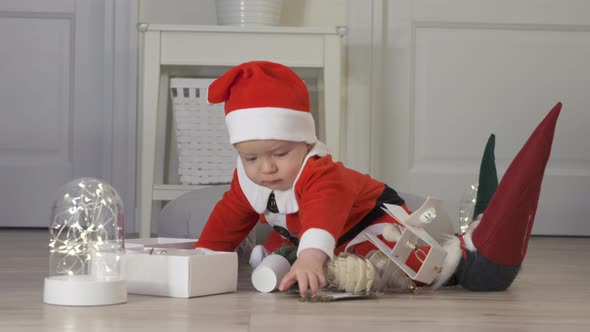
(550, 294)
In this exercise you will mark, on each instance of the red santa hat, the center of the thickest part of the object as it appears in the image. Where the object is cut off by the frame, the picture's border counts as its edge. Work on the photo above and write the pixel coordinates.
(264, 100)
(503, 233)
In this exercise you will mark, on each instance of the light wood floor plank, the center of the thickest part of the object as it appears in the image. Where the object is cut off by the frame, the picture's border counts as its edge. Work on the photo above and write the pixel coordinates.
(550, 294)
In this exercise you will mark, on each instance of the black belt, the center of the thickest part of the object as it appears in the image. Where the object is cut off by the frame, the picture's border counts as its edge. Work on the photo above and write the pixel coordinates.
(389, 196)
(287, 235)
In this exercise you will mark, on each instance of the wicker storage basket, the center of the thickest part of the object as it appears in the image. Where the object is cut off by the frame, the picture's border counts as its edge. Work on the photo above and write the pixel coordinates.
(204, 153)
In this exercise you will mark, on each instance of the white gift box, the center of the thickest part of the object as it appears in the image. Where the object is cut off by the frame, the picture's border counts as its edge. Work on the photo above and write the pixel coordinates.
(170, 267)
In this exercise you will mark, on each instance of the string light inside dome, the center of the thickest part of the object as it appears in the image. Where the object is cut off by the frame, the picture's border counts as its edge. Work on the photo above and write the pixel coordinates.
(86, 243)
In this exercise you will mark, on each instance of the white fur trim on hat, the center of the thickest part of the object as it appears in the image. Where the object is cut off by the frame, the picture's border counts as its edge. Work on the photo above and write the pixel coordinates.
(454, 253)
(270, 123)
(452, 246)
(467, 237)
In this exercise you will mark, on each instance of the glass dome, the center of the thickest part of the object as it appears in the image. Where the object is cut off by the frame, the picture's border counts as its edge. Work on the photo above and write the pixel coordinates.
(86, 244)
(466, 207)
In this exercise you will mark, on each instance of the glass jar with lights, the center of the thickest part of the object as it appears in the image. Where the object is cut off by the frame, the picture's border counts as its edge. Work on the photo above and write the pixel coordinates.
(86, 245)
(466, 207)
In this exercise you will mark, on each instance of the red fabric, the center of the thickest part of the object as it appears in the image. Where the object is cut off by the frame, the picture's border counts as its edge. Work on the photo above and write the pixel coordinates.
(363, 248)
(414, 261)
(330, 197)
(503, 234)
(230, 221)
(259, 84)
(274, 241)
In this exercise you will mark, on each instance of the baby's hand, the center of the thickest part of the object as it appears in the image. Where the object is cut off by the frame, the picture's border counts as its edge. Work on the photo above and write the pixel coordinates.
(307, 271)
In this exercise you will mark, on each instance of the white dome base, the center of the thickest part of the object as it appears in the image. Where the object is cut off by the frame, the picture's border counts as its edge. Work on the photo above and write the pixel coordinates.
(83, 291)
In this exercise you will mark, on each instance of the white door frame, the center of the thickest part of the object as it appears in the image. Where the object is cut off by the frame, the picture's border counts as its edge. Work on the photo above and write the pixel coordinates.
(100, 78)
(120, 54)
(365, 50)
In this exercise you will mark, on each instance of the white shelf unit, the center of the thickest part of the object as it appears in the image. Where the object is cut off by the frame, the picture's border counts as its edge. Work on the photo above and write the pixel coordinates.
(184, 46)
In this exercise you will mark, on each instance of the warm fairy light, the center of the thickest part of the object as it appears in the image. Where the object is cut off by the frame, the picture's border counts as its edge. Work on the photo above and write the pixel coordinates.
(467, 206)
(85, 221)
(86, 242)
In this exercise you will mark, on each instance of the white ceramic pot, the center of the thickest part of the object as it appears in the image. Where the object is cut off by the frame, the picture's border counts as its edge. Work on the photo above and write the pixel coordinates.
(248, 12)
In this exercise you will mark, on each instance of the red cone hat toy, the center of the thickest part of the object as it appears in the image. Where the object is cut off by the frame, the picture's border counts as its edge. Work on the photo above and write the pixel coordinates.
(503, 234)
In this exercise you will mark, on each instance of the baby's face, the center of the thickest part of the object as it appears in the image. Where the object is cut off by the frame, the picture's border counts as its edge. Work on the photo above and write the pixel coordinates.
(272, 163)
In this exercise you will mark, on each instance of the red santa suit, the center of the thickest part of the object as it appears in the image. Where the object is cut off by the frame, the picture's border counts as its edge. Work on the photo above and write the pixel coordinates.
(327, 207)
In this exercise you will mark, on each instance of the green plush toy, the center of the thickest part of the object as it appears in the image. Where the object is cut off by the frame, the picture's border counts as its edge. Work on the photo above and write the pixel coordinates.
(289, 252)
(488, 178)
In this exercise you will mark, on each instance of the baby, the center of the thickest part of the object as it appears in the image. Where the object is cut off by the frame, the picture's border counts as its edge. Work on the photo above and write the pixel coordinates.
(286, 177)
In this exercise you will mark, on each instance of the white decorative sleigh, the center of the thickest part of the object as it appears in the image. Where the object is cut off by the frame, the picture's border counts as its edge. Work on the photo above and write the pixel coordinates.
(413, 236)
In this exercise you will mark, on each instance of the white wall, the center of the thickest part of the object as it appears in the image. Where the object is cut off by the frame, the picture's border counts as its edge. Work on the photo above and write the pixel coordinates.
(445, 75)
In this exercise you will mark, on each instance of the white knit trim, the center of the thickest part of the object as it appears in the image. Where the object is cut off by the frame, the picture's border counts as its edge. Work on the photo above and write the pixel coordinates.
(452, 246)
(258, 195)
(375, 229)
(270, 123)
(454, 253)
(467, 237)
(276, 219)
(319, 239)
